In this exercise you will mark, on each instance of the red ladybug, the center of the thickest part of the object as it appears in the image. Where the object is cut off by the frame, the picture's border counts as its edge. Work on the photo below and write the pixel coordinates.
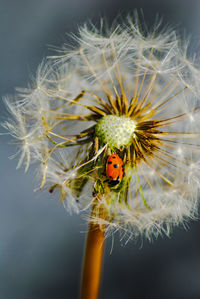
(114, 170)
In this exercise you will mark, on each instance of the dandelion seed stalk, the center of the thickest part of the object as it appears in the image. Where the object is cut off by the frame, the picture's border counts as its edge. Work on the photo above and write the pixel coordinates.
(93, 258)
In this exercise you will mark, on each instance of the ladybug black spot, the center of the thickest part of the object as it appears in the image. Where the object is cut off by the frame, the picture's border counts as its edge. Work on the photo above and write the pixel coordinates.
(109, 162)
(113, 157)
(116, 165)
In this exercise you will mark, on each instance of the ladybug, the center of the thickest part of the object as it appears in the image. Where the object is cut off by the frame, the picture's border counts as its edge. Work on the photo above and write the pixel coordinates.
(114, 170)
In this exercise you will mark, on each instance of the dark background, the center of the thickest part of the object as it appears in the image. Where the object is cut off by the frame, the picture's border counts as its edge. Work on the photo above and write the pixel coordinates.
(41, 245)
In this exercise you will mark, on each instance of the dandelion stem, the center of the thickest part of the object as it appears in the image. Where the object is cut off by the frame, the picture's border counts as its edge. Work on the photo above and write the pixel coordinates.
(92, 265)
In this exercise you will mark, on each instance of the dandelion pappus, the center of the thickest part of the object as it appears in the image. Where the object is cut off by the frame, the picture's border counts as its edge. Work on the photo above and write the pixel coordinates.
(114, 170)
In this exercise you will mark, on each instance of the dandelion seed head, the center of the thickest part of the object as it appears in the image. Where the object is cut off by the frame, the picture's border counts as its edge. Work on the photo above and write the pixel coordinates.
(125, 93)
(114, 130)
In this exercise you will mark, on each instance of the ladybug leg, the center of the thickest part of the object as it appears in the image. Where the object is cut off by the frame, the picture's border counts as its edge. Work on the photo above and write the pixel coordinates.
(105, 181)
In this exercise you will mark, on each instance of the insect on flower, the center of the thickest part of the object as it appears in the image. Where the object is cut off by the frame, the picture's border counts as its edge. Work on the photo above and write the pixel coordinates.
(114, 169)
(128, 95)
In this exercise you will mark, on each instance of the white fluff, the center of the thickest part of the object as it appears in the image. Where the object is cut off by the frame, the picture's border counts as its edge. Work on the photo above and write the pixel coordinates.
(94, 67)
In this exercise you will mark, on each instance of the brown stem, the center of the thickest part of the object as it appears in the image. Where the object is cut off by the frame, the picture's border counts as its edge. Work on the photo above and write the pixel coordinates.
(92, 265)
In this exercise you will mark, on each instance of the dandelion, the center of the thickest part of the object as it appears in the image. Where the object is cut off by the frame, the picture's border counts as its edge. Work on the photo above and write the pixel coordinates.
(121, 94)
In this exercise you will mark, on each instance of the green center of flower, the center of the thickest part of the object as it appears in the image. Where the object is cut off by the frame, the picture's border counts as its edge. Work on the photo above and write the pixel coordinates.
(116, 131)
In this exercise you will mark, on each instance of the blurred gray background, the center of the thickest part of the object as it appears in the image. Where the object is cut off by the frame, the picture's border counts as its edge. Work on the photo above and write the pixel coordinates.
(41, 245)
